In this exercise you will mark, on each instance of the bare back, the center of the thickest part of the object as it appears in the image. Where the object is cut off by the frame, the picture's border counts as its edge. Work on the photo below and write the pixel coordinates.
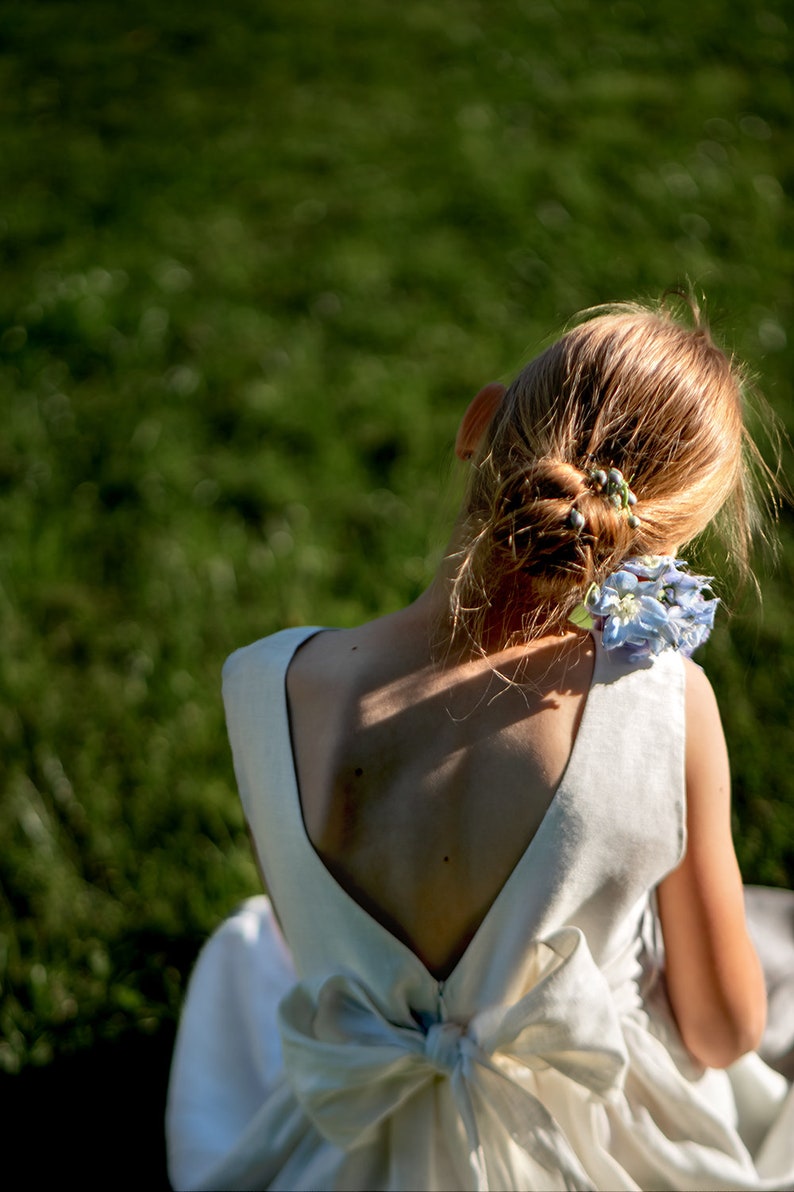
(422, 786)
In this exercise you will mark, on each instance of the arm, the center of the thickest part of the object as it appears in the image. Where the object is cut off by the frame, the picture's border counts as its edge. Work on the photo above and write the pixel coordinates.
(714, 979)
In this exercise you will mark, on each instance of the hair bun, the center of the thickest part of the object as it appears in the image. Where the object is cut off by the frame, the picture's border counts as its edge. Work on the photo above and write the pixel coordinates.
(554, 479)
(552, 519)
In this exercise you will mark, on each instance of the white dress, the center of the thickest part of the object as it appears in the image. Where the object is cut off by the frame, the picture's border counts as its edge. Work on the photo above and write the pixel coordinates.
(548, 1058)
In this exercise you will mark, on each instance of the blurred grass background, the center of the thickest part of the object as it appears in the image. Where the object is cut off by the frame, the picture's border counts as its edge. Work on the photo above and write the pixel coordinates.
(256, 257)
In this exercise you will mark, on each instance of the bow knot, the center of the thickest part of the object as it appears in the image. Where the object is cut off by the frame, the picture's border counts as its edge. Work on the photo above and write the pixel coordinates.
(351, 1069)
(442, 1045)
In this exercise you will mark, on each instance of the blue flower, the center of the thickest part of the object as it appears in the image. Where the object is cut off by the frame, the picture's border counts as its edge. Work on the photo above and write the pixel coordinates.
(650, 567)
(651, 604)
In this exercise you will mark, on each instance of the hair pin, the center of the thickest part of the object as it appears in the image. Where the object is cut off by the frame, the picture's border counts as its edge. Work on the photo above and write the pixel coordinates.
(615, 488)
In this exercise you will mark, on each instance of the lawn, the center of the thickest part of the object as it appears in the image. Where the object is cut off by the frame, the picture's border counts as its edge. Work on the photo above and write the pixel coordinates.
(257, 256)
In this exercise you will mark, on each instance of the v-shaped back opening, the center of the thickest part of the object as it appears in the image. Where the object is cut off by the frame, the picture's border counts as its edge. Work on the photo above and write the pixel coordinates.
(368, 907)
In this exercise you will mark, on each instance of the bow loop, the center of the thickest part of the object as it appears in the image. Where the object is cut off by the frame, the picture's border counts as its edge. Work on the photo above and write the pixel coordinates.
(566, 1021)
(351, 1069)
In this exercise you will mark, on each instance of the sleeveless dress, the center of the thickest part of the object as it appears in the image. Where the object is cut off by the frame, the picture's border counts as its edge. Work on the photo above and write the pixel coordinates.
(548, 1059)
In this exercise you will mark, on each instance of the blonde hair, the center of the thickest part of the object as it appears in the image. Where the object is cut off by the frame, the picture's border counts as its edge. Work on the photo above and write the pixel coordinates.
(630, 388)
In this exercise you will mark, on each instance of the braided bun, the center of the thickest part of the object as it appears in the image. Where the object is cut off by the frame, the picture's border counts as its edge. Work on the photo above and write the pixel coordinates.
(536, 517)
(544, 532)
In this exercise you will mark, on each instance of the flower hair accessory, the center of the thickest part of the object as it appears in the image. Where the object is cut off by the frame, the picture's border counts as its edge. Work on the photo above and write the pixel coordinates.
(651, 604)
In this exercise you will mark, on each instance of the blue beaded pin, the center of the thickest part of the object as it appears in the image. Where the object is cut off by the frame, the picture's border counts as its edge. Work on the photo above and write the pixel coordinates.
(614, 486)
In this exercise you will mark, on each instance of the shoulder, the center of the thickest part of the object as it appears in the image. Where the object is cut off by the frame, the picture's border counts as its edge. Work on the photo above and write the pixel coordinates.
(706, 751)
(263, 653)
(648, 693)
(699, 691)
(255, 673)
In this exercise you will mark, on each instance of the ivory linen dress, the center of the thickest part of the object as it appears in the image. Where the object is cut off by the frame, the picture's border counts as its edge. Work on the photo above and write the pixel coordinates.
(548, 1058)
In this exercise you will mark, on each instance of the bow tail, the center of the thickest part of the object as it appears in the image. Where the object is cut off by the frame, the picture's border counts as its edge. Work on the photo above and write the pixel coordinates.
(461, 1091)
(490, 1093)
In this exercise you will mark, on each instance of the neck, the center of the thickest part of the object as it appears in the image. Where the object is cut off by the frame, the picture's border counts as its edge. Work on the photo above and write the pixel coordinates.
(504, 626)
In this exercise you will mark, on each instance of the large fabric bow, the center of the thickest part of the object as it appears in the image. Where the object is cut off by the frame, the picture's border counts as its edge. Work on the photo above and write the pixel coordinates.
(351, 1068)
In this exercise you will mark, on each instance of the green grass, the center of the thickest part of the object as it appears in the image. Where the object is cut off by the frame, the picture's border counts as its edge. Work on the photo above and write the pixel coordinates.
(256, 258)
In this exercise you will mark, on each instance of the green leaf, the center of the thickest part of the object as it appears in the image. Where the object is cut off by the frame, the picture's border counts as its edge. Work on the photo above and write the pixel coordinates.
(581, 617)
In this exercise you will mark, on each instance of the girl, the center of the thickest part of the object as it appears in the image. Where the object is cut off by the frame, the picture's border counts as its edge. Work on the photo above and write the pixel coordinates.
(472, 815)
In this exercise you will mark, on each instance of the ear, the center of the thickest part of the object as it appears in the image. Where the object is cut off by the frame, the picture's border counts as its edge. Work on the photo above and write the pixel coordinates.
(476, 419)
